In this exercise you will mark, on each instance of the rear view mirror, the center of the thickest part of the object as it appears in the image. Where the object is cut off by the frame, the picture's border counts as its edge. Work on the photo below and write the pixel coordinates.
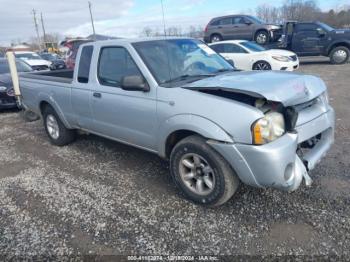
(134, 83)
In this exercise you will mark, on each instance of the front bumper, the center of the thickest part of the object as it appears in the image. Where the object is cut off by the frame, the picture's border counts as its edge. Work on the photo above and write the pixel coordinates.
(277, 164)
(7, 102)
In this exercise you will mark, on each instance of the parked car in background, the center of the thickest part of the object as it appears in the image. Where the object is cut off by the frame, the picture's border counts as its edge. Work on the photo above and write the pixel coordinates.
(178, 98)
(317, 39)
(34, 60)
(73, 47)
(248, 55)
(56, 62)
(236, 27)
(7, 97)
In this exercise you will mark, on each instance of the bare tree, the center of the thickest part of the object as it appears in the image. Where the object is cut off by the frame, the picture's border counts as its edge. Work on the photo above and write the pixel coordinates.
(147, 31)
(269, 13)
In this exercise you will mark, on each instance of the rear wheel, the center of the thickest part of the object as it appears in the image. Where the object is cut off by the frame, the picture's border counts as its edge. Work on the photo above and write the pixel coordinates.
(261, 65)
(339, 55)
(262, 37)
(201, 173)
(58, 134)
(215, 38)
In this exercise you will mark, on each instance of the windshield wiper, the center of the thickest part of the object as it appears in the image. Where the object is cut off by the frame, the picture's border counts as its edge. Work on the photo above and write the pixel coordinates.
(225, 70)
(185, 77)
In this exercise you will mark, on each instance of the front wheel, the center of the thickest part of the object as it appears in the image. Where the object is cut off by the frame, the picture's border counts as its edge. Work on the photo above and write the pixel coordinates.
(201, 173)
(261, 65)
(339, 55)
(57, 132)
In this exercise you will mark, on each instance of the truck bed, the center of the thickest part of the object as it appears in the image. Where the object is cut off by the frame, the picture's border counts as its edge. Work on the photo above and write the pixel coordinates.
(61, 76)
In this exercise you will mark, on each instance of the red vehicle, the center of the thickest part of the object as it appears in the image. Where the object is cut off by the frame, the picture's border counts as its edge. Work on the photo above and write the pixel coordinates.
(73, 46)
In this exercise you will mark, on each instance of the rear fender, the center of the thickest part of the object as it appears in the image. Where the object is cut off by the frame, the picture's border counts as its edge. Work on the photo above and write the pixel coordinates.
(43, 97)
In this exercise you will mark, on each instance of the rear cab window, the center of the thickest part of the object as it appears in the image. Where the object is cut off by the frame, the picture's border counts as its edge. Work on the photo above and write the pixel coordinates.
(85, 64)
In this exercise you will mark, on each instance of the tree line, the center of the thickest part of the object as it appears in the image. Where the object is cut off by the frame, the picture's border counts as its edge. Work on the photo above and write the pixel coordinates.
(304, 10)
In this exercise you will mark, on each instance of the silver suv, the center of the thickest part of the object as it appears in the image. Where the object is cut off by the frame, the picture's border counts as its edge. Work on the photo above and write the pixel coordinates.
(241, 27)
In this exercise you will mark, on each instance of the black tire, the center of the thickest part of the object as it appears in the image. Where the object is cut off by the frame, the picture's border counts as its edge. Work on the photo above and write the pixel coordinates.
(336, 59)
(29, 116)
(261, 65)
(215, 38)
(262, 37)
(226, 180)
(65, 135)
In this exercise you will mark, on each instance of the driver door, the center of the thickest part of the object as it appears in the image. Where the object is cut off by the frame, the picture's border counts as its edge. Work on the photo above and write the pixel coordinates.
(128, 116)
(306, 40)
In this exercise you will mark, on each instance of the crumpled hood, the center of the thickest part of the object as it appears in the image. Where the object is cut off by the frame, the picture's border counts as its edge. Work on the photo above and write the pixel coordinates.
(286, 88)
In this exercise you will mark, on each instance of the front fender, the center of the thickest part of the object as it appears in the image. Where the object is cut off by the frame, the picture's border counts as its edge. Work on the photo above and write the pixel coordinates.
(337, 43)
(194, 123)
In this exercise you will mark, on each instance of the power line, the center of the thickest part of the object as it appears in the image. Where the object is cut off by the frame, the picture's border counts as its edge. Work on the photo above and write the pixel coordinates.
(92, 21)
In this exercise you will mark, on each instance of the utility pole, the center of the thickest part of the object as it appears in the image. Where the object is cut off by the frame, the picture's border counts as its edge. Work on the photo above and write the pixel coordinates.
(36, 28)
(164, 26)
(92, 22)
(43, 27)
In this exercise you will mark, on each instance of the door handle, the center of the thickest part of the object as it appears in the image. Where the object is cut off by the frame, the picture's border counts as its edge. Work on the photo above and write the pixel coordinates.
(97, 95)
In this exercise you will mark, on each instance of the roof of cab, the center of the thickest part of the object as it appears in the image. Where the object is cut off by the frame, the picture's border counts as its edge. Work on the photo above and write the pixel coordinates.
(135, 40)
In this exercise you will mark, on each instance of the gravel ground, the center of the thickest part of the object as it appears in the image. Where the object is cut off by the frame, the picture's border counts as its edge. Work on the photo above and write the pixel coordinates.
(97, 197)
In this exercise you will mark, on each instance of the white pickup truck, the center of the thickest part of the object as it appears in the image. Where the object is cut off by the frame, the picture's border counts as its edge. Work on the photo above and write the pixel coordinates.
(179, 99)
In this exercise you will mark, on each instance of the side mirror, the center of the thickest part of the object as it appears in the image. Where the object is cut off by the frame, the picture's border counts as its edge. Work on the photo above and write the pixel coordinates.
(134, 83)
(248, 22)
(230, 61)
(321, 32)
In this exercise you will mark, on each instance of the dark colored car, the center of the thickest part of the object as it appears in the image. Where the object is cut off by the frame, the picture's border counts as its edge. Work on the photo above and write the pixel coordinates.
(317, 39)
(241, 27)
(7, 97)
(57, 62)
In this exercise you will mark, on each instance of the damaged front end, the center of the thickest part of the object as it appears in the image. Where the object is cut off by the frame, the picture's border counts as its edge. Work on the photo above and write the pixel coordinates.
(282, 153)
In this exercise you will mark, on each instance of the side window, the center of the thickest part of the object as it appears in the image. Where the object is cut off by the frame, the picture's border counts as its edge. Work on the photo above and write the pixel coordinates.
(215, 23)
(238, 20)
(219, 48)
(306, 27)
(84, 64)
(226, 21)
(114, 64)
(232, 48)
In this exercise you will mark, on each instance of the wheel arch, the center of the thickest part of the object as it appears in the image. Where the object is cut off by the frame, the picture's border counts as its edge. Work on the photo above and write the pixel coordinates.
(44, 102)
(177, 128)
(337, 44)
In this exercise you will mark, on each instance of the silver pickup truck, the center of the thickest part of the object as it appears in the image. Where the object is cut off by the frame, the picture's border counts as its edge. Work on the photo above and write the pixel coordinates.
(179, 99)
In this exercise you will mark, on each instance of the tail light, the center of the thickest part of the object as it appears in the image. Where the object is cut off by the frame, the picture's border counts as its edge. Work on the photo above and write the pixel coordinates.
(206, 28)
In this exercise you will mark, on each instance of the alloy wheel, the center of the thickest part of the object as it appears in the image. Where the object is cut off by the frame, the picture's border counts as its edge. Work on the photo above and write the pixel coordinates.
(196, 174)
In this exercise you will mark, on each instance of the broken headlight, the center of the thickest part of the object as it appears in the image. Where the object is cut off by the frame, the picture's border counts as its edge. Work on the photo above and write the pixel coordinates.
(268, 128)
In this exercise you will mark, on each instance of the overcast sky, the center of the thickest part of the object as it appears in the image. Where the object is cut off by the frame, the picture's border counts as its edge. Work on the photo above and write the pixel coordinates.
(124, 18)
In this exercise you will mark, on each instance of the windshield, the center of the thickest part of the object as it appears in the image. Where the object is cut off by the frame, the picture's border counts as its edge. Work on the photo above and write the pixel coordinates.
(253, 46)
(28, 56)
(326, 27)
(169, 60)
(257, 20)
(21, 67)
